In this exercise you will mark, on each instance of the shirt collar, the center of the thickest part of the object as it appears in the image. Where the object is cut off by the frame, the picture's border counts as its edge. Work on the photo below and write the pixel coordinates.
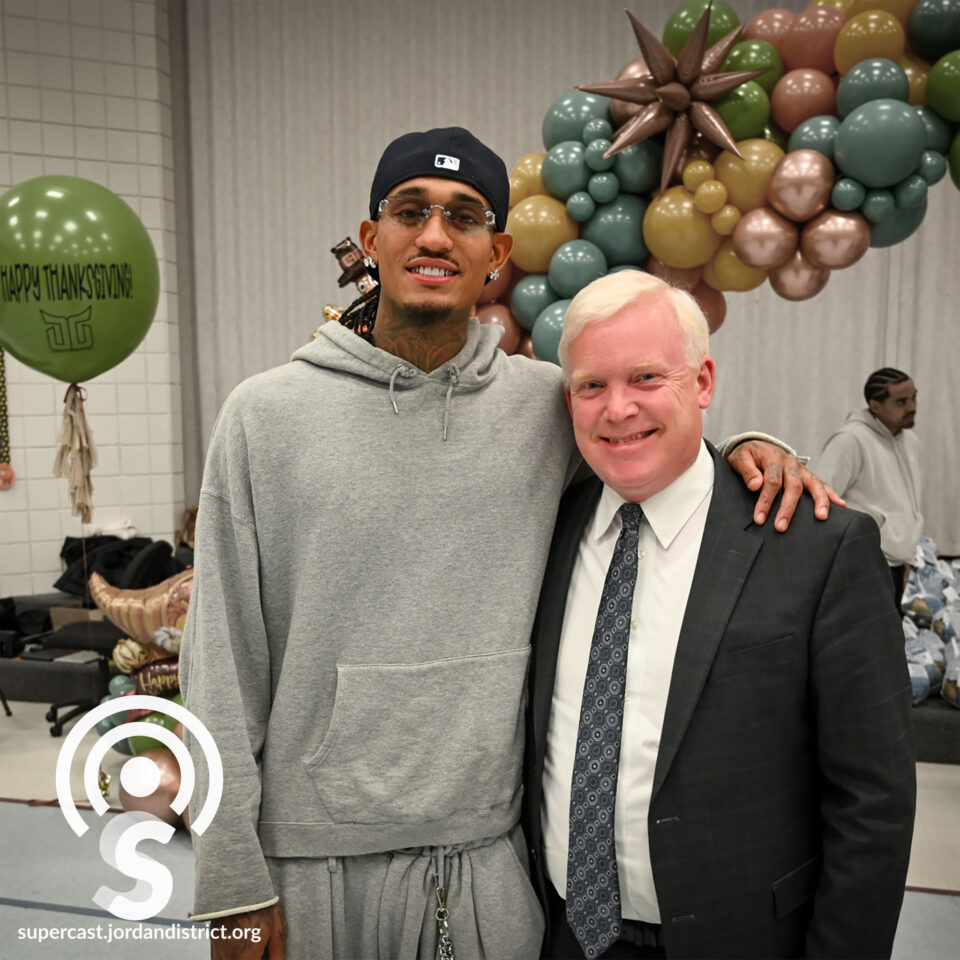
(666, 511)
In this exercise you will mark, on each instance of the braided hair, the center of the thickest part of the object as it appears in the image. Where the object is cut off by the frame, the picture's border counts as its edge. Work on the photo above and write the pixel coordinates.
(876, 387)
(361, 315)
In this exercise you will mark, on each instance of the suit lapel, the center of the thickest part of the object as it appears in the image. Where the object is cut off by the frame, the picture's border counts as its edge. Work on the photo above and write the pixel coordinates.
(727, 553)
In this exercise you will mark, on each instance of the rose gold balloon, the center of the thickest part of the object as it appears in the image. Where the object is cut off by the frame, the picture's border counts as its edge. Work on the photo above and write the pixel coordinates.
(771, 25)
(800, 95)
(810, 39)
(526, 347)
(712, 303)
(158, 802)
(7, 476)
(495, 289)
(764, 239)
(801, 184)
(499, 314)
(620, 110)
(835, 240)
(798, 278)
(684, 278)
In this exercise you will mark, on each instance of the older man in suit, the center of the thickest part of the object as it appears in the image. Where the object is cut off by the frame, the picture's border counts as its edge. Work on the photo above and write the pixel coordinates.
(719, 758)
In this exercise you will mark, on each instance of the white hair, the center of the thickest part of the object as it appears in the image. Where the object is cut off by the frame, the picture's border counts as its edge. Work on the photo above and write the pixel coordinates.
(602, 299)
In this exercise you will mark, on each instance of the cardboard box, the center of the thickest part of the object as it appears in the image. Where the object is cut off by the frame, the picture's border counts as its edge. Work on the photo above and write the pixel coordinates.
(60, 616)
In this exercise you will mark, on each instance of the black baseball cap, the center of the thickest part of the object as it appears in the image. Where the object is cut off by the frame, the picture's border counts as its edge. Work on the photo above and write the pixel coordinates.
(450, 152)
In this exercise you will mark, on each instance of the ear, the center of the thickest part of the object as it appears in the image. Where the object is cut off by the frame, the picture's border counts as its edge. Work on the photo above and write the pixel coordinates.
(874, 406)
(706, 381)
(368, 238)
(500, 251)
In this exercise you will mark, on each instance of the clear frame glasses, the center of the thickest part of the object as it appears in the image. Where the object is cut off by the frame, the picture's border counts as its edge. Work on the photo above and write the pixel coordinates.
(466, 216)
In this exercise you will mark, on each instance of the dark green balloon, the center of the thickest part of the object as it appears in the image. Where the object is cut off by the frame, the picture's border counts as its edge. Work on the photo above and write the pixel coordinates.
(744, 110)
(897, 227)
(685, 18)
(943, 86)
(880, 143)
(911, 192)
(79, 281)
(594, 155)
(847, 194)
(934, 28)
(939, 132)
(603, 187)
(595, 129)
(565, 170)
(775, 135)
(568, 114)
(878, 205)
(932, 167)
(617, 229)
(756, 55)
(530, 297)
(954, 160)
(817, 133)
(637, 167)
(575, 264)
(547, 330)
(875, 79)
(580, 206)
(120, 684)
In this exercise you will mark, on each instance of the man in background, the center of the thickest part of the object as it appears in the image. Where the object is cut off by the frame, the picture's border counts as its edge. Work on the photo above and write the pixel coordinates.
(873, 461)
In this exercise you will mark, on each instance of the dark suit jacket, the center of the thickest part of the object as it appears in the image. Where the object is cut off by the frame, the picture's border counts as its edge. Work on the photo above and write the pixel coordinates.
(783, 797)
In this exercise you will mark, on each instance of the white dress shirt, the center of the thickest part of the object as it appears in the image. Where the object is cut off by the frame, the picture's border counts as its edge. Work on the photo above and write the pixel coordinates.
(670, 539)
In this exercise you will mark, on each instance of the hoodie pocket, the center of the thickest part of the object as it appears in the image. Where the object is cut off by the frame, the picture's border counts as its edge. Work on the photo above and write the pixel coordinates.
(412, 743)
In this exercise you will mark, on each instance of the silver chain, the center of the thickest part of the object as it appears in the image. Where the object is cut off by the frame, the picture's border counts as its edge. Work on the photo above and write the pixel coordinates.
(444, 943)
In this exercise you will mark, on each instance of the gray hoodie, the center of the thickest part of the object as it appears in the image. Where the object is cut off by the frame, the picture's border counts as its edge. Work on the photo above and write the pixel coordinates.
(358, 635)
(878, 473)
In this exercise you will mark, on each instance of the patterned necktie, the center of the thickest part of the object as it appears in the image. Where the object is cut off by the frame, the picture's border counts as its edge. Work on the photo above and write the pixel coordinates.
(593, 889)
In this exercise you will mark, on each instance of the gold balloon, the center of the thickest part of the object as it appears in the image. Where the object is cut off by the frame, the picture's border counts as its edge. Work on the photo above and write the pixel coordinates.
(798, 278)
(835, 239)
(899, 8)
(725, 220)
(518, 190)
(726, 271)
(676, 232)
(844, 6)
(527, 171)
(917, 72)
(710, 196)
(538, 226)
(764, 239)
(801, 184)
(747, 180)
(874, 33)
(697, 172)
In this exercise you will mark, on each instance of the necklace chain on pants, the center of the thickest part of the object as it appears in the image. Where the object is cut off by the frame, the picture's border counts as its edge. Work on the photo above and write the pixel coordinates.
(593, 889)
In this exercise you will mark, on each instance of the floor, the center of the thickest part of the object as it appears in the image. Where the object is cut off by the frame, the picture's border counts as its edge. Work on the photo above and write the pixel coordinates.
(50, 875)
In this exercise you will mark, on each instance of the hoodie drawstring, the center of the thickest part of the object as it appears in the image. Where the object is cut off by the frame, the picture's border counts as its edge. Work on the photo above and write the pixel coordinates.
(393, 380)
(454, 379)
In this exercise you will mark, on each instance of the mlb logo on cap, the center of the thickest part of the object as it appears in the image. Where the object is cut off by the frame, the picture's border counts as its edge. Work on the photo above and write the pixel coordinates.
(451, 163)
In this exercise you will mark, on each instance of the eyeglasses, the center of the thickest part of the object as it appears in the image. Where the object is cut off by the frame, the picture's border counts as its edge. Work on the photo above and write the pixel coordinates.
(467, 216)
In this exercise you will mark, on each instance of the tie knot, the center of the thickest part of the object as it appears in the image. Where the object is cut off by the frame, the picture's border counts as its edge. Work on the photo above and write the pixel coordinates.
(630, 516)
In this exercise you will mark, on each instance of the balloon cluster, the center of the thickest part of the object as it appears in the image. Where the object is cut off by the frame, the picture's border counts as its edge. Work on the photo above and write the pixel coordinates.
(850, 117)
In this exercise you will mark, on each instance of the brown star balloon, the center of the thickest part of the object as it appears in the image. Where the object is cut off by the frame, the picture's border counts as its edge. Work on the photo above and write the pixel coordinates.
(676, 94)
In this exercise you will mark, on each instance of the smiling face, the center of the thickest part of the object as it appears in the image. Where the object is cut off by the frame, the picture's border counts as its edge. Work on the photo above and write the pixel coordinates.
(435, 271)
(635, 400)
(899, 411)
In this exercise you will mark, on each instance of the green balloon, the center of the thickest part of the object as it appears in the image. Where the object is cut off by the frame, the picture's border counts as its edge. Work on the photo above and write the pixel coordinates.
(934, 28)
(565, 170)
(140, 744)
(594, 155)
(943, 86)
(875, 79)
(79, 281)
(575, 264)
(109, 722)
(530, 297)
(756, 55)
(580, 206)
(596, 129)
(898, 226)
(603, 187)
(954, 160)
(617, 229)
(744, 110)
(880, 142)
(775, 135)
(933, 166)
(685, 18)
(911, 192)
(878, 205)
(637, 167)
(847, 194)
(939, 132)
(547, 330)
(120, 684)
(817, 133)
(567, 115)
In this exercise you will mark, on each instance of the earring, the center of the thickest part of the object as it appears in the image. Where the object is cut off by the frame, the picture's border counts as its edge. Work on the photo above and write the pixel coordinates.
(369, 262)
(494, 275)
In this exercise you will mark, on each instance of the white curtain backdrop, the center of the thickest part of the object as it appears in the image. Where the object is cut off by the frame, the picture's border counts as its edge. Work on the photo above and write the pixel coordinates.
(285, 106)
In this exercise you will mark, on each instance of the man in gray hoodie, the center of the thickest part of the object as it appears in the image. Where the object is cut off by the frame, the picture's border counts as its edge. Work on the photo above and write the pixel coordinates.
(373, 528)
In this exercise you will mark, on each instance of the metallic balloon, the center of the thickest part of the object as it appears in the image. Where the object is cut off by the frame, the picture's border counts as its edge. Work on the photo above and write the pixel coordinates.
(499, 314)
(764, 239)
(798, 278)
(685, 279)
(801, 184)
(835, 240)
(712, 303)
(158, 802)
(620, 110)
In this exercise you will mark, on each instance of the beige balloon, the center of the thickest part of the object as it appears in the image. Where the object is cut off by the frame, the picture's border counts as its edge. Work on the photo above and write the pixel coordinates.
(764, 239)
(798, 278)
(801, 184)
(835, 239)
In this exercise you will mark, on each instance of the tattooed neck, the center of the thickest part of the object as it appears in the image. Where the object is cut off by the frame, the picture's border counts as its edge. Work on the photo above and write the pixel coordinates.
(423, 341)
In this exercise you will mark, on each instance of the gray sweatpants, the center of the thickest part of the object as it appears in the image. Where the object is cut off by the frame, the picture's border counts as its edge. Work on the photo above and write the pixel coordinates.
(382, 906)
